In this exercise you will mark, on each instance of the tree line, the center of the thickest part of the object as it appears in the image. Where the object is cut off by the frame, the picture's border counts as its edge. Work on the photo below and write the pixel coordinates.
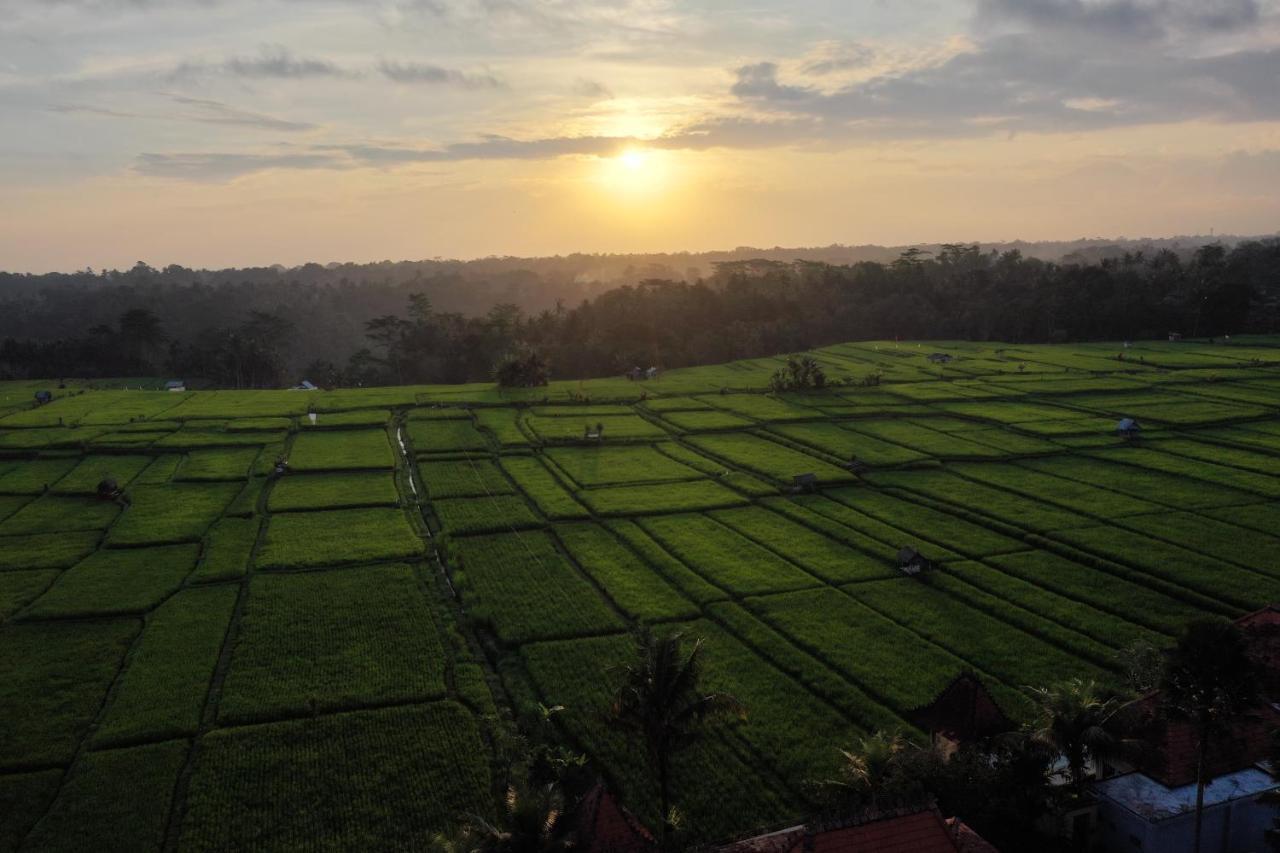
(742, 309)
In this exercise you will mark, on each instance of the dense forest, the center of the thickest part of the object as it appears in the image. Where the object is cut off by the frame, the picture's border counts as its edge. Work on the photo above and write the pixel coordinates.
(453, 322)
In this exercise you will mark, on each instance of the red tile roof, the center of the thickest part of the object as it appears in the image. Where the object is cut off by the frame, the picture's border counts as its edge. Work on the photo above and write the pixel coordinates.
(923, 832)
(604, 826)
(910, 830)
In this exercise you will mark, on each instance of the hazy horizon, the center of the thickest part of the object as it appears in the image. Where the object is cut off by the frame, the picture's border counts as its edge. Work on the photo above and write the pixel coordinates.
(217, 133)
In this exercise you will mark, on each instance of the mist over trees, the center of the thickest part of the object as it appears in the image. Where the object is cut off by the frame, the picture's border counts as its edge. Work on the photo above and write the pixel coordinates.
(527, 320)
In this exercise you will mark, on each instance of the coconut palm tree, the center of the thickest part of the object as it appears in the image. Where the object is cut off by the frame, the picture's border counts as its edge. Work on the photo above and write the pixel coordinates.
(1075, 720)
(1209, 679)
(662, 700)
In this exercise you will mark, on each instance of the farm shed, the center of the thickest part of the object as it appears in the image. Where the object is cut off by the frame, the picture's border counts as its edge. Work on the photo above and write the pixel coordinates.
(911, 561)
(964, 712)
(804, 483)
(1128, 428)
(43, 397)
(939, 357)
(175, 385)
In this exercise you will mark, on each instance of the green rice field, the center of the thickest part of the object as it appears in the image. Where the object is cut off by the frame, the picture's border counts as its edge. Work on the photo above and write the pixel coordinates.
(232, 658)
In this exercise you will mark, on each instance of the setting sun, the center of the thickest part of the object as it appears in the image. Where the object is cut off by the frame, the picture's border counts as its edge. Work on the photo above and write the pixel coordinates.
(633, 158)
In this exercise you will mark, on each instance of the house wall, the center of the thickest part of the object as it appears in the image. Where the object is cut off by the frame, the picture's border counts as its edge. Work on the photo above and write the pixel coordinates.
(1234, 827)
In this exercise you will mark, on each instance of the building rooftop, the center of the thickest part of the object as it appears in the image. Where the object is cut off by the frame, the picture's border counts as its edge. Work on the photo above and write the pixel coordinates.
(1151, 800)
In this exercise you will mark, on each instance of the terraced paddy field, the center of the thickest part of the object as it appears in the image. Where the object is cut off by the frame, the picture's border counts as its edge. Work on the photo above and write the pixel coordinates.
(333, 658)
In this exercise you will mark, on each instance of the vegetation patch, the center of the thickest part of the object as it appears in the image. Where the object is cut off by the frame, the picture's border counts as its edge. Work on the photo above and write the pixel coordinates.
(53, 677)
(46, 550)
(636, 588)
(660, 498)
(333, 491)
(233, 464)
(526, 590)
(162, 692)
(298, 540)
(324, 783)
(325, 641)
(724, 557)
(116, 581)
(600, 466)
(176, 512)
(60, 515)
(463, 516)
(121, 794)
(463, 478)
(341, 450)
(542, 487)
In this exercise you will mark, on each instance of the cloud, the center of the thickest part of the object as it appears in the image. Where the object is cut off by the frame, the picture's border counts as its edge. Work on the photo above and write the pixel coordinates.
(1021, 83)
(414, 73)
(200, 110)
(831, 57)
(223, 166)
(591, 89)
(1125, 19)
(272, 62)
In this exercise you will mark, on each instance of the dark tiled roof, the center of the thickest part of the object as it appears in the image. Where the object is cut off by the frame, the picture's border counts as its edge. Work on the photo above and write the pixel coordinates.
(604, 826)
(964, 711)
(918, 829)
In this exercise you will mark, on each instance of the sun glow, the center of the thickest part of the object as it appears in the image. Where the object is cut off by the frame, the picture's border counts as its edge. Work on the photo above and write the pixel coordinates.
(634, 172)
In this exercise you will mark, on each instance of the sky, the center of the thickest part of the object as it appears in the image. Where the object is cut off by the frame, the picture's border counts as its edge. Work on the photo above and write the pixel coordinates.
(215, 133)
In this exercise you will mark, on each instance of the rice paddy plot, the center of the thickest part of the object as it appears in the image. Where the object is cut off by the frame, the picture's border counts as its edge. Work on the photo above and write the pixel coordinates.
(542, 487)
(297, 492)
(603, 466)
(232, 464)
(504, 425)
(176, 512)
(60, 515)
(53, 678)
(520, 585)
(162, 692)
(300, 540)
(84, 478)
(761, 408)
(928, 524)
(46, 550)
(465, 516)
(18, 589)
(332, 640)
(660, 498)
(326, 783)
(36, 476)
(117, 799)
(769, 457)
(706, 421)
(824, 556)
(115, 582)
(634, 587)
(1130, 599)
(615, 428)
(445, 435)
(836, 440)
(341, 450)
(724, 557)
(1238, 587)
(463, 478)
(1156, 486)
(864, 645)
(971, 496)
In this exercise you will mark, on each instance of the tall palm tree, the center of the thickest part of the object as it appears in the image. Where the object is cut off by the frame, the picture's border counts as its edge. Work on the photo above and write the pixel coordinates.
(1209, 679)
(661, 699)
(1075, 720)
